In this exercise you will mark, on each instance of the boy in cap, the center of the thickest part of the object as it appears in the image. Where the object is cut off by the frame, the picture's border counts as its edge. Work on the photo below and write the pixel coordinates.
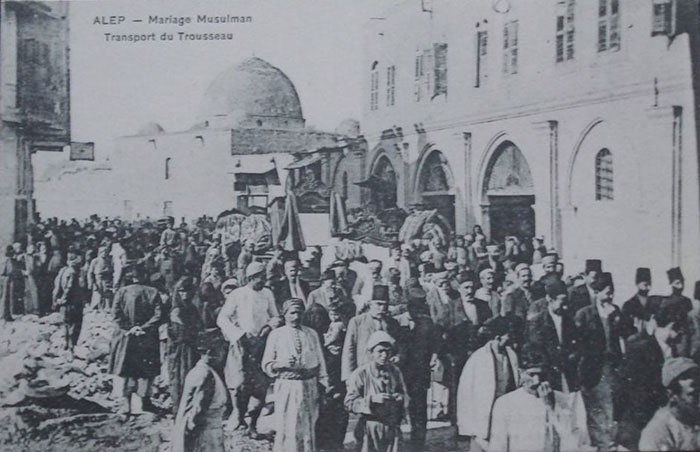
(536, 417)
(676, 425)
(584, 295)
(246, 318)
(377, 393)
(198, 423)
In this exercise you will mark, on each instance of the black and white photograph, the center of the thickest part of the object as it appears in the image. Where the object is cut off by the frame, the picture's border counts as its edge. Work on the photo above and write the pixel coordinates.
(349, 225)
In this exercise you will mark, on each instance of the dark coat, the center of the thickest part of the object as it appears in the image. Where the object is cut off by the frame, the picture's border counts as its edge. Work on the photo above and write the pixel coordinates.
(136, 356)
(463, 338)
(594, 353)
(561, 357)
(282, 292)
(419, 343)
(641, 391)
(518, 302)
(348, 282)
(360, 328)
(579, 298)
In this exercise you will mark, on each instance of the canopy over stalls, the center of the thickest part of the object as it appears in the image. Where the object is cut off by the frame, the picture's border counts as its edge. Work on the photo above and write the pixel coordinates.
(234, 226)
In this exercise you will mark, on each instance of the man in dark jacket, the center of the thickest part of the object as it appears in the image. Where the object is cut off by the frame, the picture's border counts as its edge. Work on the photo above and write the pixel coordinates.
(641, 391)
(553, 334)
(291, 285)
(584, 295)
(134, 355)
(599, 328)
(638, 310)
(420, 343)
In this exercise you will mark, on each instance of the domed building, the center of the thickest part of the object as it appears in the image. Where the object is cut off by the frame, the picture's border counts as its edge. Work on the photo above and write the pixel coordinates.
(248, 145)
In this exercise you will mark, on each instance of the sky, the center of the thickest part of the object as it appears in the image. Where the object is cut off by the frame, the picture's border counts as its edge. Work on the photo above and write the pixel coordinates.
(116, 87)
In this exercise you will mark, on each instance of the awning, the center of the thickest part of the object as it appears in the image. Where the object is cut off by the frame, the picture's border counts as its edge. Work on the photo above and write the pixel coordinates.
(305, 161)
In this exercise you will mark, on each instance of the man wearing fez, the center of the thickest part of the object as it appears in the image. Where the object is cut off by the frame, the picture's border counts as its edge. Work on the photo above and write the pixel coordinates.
(361, 327)
(553, 334)
(676, 425)
(536, 417)
(639, 309)
(421, 343)
(135, 349)
(294, 358)
(377, 393)
(641, 391)
(599, 329)
(584, 295)
(490, 372)
(519, 299)
(677, 282)
(204, 399)
(246, 318)
(326, 294)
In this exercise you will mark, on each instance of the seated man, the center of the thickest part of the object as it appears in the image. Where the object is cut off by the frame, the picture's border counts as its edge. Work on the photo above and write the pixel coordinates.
(535, 417)
(376, 392)
(675, 425)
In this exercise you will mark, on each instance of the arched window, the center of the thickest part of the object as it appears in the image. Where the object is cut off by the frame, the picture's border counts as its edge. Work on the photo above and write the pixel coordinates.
(374, 87)
(344, 193)
(604, 176)
(167, 168)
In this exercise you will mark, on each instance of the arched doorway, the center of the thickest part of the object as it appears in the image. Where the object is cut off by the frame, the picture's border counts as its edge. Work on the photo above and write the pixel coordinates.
(508, 194)
(383, 184)
(436, 186)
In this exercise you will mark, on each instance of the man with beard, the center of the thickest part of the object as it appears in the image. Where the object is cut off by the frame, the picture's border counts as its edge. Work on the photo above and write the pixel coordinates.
(291, 285)
(641, 389)
(487, 292)
(246, 318)
(535, 417)
(134, 356)
(490, 372)
(677, 282)
(552, 333)
(676, 425)
(518, 300)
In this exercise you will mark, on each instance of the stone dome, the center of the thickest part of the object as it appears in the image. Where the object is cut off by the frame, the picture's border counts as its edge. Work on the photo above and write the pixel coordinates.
(252, 93)
(150, 128)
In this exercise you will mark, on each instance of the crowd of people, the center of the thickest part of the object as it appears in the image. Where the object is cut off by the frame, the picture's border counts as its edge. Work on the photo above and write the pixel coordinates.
(492, 338)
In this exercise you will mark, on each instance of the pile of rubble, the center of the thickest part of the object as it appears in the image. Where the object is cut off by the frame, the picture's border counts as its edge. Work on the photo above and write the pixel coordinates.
(48, 399)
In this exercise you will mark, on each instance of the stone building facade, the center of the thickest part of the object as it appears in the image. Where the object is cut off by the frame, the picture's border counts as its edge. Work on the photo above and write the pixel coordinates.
(34, 102)
(571, 119)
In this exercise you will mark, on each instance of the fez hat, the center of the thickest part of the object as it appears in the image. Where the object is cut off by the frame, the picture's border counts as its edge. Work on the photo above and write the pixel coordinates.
(674, 274)
(379, 337)
(696, 293)
(674, 368)
(643, 275)
(603, 281)
(465, 276)
(328, 275)
(594, 265)
(380, 293)
(555, 288)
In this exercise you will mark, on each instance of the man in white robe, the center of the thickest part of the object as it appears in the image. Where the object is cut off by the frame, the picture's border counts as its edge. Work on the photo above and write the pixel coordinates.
(535, 418)
(294, 358)
(246, 318)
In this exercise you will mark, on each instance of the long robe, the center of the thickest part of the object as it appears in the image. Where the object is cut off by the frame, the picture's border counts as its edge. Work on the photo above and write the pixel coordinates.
(182, 351)
(31, 290)
(295, 392)
(198, 425)
(136, 356)
(523, 423)
(378, 428)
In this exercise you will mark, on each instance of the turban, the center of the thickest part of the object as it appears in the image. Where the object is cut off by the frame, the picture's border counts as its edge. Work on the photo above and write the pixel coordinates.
(232, 282)
(292, 303)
